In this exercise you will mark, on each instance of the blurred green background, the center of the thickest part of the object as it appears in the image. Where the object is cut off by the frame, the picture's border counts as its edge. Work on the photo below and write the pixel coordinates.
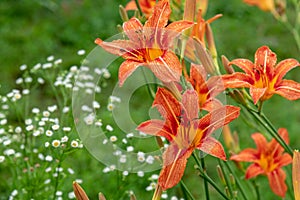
(31, 30)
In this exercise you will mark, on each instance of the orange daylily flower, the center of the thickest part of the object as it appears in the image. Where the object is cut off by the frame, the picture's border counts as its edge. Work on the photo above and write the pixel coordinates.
(265, 5)
(146, 6)
(264, 78)
(207, 90)
(149, 45)
(296, 174)
(268, 159)
(185, 132)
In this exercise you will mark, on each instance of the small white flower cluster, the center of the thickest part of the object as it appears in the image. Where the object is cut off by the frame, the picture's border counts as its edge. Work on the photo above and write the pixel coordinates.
(25, 131)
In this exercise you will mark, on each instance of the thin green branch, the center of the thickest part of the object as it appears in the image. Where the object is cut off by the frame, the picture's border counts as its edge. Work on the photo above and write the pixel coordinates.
(240, 186)
(186, 190)
(204, 180)
(209, 180)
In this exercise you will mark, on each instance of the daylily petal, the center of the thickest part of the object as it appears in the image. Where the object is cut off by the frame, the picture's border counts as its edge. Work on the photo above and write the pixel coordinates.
(265, 59)
(237, 80)
(156, 127)
(277, 182)
(285, 159)
(197, 74)
(174, 165)
(124, 48)
(260, 141)
(277, 148)
(284, 66)
(126, 69)
(288, 89)
(134, 30)
(190, 104)
(218, 118)
(257, 93)
(175, 29)
(160, 16)
(247, 155)
(244, 64)
(168, 107)
(213, 147)
(212, 104)
(167, 67)
(215, 86)
(296, 174)
(253, 170)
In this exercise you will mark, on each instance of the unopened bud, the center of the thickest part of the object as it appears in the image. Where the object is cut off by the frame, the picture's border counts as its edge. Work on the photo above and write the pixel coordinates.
(221, 175)
(132, 196)
(202, 5)
(79, 192)
(123, 13)
(101, 196)
(229, 69)
(232, 180)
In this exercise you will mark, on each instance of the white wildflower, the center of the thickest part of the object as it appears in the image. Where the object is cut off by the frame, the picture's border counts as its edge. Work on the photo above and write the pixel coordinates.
(52, 108)
(67, 129)
(64, 139)
(74, 144)
(140, 173)
(130, 148)
(109, 128)
(71, 171)
(55, 143)
(23, 67)
(55, 127)
(48, 158)
(81, 52)
(50, 58)
(2, 159)
(113, 138)
(49, 133)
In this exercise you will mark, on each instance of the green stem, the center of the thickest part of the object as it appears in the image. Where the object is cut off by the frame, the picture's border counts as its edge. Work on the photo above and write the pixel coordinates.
(265, 122)
(226, 178)
(138, 6)
(186, 190)
(237, 180)
(209, 180)
(204, 180)
(256, 189)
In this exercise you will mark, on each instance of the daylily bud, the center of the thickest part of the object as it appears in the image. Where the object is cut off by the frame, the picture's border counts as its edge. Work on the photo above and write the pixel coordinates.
(296, 174)
(159, 142)
(189, 10)
(157, 193)
(123, 13)
(79, 192)
(232, 180)
(202, 4)
(101, 196)
(119, 28)
(229, 69)
(132, 197)
(231, 141)
(221, 175)
(238, 96)
(204, 57)
(211, 45)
